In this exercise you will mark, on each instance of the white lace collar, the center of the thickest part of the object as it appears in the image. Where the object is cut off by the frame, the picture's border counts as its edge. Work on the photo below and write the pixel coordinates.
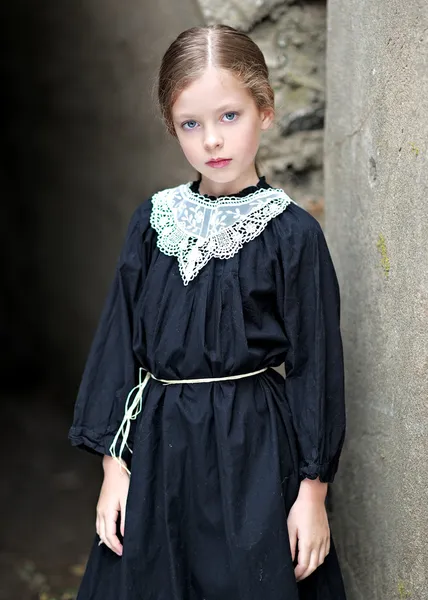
(195, 228)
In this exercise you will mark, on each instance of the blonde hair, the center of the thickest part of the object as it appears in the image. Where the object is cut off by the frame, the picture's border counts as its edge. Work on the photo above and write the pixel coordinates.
(219, 46)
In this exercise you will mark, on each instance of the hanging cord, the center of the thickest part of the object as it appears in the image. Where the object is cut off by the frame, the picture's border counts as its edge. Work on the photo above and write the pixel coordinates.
(133, 406)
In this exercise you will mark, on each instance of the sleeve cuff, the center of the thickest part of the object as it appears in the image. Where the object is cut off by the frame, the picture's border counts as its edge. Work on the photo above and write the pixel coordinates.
(94, 442)
(325, 471)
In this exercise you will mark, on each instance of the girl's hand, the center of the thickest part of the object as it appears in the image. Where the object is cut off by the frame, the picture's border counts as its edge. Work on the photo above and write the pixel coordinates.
(308, 524)
(112, 500)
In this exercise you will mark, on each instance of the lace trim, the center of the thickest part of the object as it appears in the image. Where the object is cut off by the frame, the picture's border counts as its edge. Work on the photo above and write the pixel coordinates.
(195, 229)
(185, 192)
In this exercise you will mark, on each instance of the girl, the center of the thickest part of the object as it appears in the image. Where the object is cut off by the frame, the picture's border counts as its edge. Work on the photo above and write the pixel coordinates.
(215, 469)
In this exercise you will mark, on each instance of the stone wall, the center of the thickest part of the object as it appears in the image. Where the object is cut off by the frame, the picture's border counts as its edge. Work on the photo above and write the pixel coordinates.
(292, 36)
(377, 223)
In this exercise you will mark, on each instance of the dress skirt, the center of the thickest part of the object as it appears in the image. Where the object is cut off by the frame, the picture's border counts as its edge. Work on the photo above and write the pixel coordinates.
(214, 475)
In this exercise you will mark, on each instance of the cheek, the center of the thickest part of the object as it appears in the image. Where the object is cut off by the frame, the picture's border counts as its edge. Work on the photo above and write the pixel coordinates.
(249, 139)
(188, 146)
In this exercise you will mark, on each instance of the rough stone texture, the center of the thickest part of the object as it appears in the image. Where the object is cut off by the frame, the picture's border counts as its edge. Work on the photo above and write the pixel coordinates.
(291, 153)
(377, 224)
(241, 14)
(292, 38)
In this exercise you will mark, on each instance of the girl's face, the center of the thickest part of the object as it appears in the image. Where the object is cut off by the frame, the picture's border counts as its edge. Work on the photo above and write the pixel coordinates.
(218, 126)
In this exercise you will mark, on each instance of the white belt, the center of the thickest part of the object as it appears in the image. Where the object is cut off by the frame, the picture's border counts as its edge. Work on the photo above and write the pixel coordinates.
(134, 406)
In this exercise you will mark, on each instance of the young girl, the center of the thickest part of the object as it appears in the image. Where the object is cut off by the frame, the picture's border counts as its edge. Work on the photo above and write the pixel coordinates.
(215, 469)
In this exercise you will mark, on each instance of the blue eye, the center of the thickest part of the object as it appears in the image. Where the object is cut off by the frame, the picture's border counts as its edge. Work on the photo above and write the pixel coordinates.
(189, 125)
(230, 116)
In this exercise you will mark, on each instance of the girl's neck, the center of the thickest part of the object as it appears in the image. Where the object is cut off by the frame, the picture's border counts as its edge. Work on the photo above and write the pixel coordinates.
(214, 188)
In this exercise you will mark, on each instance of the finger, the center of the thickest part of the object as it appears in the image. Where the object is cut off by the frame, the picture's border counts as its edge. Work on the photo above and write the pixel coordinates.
(292, 534)
(303, 559)
(122, 524)
(313, 564)
(113, 541)
(327, 551)
(101, 530)
(123, 501)
(322, 554)
(122, 520)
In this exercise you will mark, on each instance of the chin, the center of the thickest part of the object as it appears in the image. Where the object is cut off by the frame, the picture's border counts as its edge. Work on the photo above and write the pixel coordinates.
(225, 175)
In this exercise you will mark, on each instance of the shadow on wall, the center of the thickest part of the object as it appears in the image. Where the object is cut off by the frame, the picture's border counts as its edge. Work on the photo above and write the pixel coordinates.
(82, 146)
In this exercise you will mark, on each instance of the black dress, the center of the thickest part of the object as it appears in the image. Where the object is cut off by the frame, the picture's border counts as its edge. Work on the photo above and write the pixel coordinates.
(216, 466)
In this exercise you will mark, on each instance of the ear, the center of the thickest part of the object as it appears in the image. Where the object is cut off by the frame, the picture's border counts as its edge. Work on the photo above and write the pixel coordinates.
(267, 116)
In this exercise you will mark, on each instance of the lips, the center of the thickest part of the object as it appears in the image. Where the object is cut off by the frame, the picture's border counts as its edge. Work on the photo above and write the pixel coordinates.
(219, 163)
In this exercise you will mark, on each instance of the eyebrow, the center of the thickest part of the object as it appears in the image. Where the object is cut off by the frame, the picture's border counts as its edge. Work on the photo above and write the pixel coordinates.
(223, 108)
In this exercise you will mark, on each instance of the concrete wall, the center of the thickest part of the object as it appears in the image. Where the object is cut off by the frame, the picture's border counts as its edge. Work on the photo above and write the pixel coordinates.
(376, 178)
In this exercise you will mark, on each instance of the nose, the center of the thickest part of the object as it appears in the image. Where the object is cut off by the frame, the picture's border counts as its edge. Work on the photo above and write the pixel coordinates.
(212, 139)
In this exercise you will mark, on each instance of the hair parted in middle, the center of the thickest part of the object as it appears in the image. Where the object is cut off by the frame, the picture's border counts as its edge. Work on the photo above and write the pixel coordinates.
(220, 46)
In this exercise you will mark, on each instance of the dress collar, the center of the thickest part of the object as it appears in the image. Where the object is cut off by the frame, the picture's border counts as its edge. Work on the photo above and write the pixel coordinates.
(196, 228)
(261, 184)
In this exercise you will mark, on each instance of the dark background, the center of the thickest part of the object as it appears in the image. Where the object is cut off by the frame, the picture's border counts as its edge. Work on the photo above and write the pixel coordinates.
(81, 146)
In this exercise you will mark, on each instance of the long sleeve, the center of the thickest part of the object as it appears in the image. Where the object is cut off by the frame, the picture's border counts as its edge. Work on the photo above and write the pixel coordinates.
(111, 369)
(314, 384)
